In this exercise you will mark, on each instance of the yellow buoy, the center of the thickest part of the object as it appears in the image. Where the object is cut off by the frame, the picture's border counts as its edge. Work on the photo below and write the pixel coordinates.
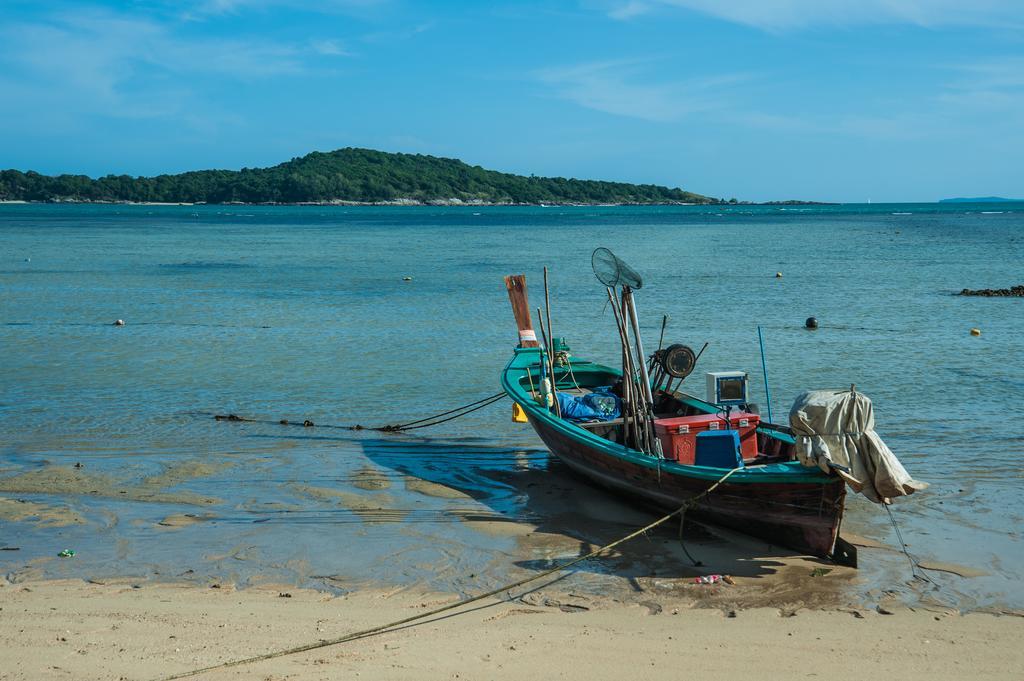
(975, 331)
(518, 415)
(778, 275)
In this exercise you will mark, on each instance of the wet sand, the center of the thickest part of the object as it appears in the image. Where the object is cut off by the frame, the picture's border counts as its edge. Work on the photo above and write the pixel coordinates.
(219, 577)
(46, 515)
(70, 481)
(188, 563)
(402, 515)
(69, 629)
(178, 520)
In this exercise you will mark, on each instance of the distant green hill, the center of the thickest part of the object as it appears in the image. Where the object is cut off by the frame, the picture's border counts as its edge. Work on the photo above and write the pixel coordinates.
(345, 175)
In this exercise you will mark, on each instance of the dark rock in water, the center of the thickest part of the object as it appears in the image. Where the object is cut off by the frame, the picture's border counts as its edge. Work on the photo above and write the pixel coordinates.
(1014, 292)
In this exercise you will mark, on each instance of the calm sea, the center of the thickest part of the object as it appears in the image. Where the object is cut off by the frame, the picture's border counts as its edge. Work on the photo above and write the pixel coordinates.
(303, 313)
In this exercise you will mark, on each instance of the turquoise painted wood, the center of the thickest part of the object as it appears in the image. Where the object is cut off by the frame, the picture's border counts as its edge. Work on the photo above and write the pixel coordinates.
(780, 501)
(524, 367)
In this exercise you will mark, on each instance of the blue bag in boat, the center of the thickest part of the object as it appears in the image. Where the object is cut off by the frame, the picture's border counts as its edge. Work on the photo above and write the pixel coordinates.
(600, 405)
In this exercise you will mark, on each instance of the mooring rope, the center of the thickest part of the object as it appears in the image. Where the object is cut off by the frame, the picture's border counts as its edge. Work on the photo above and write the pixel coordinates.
(390, 428)
(915, 566)
(436, 419)
(324, 643)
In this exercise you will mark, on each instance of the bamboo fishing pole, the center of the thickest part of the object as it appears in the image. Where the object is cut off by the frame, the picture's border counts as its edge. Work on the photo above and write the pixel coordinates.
(628, 302)
(656, 367)
(550, 340)
(626, 404)
(627, 392)
(639, 399)
(635, 390)
(630, 305)
(551, 366)
(547, 312)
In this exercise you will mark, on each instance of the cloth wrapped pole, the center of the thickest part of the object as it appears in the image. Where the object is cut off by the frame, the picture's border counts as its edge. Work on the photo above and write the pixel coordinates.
(838, 427)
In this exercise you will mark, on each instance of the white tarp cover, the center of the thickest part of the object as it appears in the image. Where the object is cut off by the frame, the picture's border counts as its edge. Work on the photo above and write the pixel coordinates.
(839, 427)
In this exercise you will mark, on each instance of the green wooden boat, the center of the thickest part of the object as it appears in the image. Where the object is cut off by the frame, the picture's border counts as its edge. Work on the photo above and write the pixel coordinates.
(771, 496)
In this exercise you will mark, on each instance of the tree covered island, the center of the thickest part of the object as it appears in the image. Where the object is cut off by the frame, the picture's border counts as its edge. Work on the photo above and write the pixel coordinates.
(343, 176)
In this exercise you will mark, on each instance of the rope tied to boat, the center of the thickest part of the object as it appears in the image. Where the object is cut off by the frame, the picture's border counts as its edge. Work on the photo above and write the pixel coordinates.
(915, 565)
(434, 420)
(384, 628)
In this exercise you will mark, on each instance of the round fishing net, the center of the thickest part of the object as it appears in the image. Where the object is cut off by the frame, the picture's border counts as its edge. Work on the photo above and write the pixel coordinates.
(611, 271)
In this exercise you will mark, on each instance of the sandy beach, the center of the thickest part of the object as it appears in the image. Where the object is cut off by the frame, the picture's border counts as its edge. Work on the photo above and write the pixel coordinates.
(77, 630)
(636, 608)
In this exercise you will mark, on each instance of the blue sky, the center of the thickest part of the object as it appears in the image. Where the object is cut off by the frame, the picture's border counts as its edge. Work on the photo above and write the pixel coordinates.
(844, 100)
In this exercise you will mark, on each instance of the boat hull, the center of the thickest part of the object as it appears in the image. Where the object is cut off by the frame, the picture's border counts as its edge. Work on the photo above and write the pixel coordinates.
(801, 516)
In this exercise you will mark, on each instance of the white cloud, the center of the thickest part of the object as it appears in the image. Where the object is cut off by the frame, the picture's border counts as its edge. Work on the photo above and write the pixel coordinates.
(217, 7)
(629, 9)
(985, 97)
(995, 86)
(399, 34)
(126, 66)
(617, 87)
(220, 6)
(330, 48)
(777, 15)
(1003, 74)
(897, 126)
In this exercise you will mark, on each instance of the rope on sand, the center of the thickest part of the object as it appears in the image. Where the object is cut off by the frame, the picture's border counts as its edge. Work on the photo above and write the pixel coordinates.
(392, 625)
(434, 420)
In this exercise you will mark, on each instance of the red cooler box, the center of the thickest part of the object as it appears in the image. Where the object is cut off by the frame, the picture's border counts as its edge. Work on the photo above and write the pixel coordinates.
(678, 435)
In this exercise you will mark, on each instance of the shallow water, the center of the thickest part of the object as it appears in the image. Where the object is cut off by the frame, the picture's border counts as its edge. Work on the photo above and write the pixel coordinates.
(302, 313)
